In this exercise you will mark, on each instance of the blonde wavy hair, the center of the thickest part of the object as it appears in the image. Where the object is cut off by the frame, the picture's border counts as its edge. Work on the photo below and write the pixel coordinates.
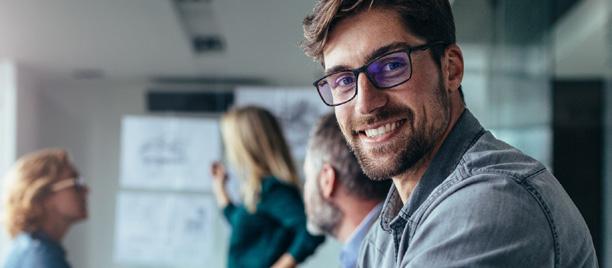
(255, 145)
(27, 183)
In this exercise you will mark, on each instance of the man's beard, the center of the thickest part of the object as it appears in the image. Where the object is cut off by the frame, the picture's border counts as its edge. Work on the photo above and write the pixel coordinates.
(325, 216)
(408, 148)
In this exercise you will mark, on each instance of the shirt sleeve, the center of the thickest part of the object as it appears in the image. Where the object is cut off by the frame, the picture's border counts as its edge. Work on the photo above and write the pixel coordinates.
(490, 221)
(228, 211)
(285, 205)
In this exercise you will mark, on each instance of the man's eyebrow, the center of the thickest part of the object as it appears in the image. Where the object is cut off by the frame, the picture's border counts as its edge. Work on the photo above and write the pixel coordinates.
(371, 56)
(385, 49)
(336, 69)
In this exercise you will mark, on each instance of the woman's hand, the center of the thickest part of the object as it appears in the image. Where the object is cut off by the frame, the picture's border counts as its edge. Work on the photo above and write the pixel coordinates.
(218, 173)
(285, 261)
(219, 176)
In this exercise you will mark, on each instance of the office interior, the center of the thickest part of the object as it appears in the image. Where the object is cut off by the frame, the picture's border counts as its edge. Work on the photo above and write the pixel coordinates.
(538, 75)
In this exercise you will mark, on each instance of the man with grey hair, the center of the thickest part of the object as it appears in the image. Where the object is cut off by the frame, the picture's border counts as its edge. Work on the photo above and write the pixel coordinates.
(340, 199)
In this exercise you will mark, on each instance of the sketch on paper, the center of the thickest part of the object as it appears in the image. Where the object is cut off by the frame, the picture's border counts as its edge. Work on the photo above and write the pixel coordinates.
(296, 108)
(168, 153)
(158, 152)
(164, 229)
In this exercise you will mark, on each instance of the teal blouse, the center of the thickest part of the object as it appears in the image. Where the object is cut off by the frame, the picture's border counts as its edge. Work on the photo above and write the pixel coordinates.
(278, 226)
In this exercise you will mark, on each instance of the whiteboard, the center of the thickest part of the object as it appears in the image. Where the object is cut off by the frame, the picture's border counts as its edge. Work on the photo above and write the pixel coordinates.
(167, 229)
(168, 153)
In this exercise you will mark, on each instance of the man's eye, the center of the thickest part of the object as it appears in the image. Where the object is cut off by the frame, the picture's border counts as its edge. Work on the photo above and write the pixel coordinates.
(345, 80)
(323, 83)
(391, 66)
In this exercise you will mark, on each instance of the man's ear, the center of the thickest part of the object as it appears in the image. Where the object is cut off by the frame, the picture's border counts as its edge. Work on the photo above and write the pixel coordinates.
(327, 181)
(452, 68)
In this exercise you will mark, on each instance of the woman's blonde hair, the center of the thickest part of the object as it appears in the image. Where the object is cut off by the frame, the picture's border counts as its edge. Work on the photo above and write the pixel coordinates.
(26, 185)
(255, 145)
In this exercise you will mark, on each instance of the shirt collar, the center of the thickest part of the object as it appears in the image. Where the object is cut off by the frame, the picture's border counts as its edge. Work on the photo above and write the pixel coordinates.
(465, 132)
(350, 250)
(51, 244)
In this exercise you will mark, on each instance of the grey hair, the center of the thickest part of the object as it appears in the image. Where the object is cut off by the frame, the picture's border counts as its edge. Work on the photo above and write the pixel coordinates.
(327, 145)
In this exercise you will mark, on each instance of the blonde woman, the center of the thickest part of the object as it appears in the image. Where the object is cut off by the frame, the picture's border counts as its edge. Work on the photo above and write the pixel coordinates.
(269, 229)
(43, 198)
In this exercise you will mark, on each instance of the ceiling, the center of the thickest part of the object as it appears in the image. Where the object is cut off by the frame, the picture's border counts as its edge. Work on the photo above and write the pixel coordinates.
(145, 39)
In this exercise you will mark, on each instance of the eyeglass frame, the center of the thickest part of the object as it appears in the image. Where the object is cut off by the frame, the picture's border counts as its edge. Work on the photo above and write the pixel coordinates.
(76, 182)
(363, 69)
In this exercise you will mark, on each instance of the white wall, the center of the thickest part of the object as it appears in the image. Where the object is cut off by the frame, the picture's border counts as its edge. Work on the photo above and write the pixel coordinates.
(19, 102)
(28, 116)
(8, 88)
(85, 117)
(18, 119)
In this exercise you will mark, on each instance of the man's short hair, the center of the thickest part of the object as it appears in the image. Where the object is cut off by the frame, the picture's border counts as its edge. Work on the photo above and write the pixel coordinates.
(327, 145)
(429, 19)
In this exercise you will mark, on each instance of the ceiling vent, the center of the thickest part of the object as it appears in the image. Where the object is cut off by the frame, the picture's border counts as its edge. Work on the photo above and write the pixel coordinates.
(199, 23)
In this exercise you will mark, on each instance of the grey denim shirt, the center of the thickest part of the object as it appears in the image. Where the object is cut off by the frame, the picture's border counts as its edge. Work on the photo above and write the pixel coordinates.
(481, 203)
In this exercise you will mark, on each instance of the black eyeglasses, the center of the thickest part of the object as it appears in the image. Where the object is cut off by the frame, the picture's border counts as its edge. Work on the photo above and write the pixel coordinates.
(386, 71)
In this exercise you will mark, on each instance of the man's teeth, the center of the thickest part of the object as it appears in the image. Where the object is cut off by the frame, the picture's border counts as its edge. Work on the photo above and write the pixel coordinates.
(375, 132)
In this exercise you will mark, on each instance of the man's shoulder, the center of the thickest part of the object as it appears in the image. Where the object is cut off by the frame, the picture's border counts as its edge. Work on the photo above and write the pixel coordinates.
(29, 251)
(492, 172)
(493, 175)
(490, 155)
(35, 244)
(495, 184)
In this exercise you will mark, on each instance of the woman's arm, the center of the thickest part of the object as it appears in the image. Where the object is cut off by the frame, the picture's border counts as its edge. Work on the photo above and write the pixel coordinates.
(219, 179)
(285, 261)
(285, 204)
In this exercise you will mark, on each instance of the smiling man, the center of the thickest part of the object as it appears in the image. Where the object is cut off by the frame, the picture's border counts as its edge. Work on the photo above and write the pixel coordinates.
(462, 198)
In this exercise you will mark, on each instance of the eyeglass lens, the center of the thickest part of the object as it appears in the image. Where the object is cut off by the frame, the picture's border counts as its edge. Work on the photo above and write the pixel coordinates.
(388, 71)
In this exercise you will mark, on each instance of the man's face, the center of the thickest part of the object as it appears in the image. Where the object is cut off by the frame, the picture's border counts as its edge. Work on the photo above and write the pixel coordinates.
(389, 130)
(323, 216)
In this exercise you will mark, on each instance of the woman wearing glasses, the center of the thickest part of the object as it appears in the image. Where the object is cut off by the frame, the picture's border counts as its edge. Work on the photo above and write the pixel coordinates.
(269, 229)
(43, 198)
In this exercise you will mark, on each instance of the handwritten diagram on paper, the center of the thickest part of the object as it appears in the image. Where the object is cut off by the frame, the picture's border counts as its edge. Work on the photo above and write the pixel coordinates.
(297, 109)
(164, 229)
(168, 153)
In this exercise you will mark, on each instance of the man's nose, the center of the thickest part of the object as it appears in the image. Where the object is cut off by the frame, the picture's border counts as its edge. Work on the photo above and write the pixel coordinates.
(369, 98)
(84, 189)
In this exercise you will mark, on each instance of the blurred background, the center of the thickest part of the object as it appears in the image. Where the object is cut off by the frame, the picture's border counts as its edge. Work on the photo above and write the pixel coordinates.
(96, 77)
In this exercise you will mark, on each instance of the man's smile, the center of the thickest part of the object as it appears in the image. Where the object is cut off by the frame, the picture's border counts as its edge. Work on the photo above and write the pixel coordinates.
(379, 131)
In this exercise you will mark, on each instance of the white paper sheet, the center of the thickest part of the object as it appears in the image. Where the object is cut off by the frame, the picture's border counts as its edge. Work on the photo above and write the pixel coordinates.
(164, 229)
(168, 153)
(297, 109)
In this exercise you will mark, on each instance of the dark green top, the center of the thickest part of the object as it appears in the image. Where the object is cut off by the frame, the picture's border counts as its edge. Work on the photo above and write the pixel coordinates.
(278, 226)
